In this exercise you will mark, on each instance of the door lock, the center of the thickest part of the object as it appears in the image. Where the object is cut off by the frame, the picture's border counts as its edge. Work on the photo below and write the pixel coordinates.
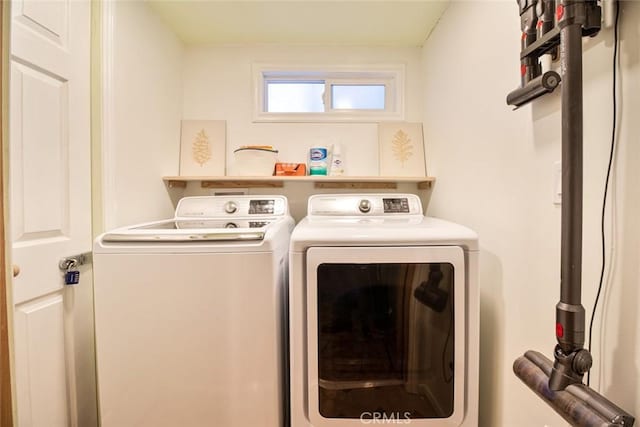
(65, 264)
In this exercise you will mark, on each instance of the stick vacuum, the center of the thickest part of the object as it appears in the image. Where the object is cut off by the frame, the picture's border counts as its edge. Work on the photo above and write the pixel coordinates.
(559, 383)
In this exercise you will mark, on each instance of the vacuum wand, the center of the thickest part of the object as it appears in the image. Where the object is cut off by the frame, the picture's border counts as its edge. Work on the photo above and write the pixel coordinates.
(571, 360)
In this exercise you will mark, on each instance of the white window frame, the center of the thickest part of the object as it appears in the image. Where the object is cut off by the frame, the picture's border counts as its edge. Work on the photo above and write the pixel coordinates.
(389, 75)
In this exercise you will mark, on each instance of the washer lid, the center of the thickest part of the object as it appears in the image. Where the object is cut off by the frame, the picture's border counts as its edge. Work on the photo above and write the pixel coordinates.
(204, 224)
(181, 230)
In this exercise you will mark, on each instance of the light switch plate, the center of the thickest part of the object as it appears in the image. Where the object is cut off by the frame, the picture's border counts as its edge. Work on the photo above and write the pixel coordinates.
(557, 183)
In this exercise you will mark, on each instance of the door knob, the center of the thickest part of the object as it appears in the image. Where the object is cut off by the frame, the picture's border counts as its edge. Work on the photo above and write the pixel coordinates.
(16, 270)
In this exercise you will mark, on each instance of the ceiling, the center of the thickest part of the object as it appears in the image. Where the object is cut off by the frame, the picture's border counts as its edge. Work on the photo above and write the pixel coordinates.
(301, 22)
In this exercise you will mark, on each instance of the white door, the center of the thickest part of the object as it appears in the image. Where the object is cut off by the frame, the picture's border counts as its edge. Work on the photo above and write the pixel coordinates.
(50, 211)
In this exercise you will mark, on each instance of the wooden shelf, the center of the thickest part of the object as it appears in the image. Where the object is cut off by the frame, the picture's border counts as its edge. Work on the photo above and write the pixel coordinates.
(355, 182)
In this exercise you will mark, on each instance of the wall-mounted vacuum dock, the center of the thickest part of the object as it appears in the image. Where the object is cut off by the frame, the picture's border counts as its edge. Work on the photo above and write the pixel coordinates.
(539, 21)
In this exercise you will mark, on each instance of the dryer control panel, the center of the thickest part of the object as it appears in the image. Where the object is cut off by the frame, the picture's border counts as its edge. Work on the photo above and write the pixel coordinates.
(364, 205)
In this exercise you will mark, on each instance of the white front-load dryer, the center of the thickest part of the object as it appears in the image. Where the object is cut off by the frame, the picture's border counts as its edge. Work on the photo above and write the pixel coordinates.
(191, 316)
(384, 313)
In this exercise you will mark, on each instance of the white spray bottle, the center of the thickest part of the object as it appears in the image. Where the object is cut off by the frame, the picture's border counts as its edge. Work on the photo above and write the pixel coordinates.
(337, 164)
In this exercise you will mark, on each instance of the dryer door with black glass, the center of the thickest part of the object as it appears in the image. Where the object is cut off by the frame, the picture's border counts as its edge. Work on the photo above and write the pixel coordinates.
(386, 335)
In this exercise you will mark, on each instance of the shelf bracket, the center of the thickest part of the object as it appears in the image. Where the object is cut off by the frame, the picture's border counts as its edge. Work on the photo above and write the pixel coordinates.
(176, 184)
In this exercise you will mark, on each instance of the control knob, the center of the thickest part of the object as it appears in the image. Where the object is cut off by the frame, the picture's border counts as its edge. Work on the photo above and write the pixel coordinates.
(364, 206)
(230, 207)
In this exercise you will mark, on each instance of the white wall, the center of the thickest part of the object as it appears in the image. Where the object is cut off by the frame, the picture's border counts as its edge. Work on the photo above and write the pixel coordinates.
(494, 173)
(218, 85)
(141, 116)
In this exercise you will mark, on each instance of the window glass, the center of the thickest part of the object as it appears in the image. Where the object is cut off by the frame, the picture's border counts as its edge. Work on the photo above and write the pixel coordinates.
(295, 97)
(358, 97)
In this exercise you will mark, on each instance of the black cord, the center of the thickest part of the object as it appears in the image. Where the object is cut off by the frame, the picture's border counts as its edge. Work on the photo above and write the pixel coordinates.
(606, 184)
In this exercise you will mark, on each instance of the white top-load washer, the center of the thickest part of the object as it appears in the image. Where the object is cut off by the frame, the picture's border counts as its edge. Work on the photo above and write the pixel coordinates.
(384, 313)
(191, 316)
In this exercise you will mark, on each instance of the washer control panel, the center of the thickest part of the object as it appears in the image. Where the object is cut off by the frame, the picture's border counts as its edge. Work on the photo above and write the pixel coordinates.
(232, 206)
(262, 207)
(364, 205)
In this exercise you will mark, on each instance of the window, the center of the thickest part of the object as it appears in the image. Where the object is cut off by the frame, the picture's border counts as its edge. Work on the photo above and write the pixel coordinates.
(328, 94)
